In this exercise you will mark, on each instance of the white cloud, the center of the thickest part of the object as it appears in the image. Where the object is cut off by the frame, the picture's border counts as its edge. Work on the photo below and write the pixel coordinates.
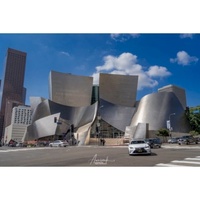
(156, 71)
(187, 35)
(114, 35)
(126, 64)
(123, 37)
(183, 58)
(95, 78)
(135, 35)
(64, 53)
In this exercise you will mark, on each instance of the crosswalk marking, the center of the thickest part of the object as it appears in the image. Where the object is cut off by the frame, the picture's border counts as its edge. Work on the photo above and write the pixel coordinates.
(187, 162)
(25, 149)
(168, 165)
(192, 158)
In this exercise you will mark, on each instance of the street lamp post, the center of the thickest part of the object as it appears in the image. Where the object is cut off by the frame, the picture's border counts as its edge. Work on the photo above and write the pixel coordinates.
(170, 127)
(98, 125)
(71, 127)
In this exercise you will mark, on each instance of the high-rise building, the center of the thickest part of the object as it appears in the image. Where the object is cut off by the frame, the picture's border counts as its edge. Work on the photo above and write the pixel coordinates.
(12, 85)
(20, 120)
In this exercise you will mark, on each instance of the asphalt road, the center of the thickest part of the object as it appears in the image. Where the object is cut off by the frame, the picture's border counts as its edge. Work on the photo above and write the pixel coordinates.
(95, 156)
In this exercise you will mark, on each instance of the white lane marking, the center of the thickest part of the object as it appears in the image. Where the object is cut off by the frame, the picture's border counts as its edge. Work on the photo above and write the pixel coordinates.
(26, 149)
(197, 159)
(186, 162)
(168, 165)
(177, 163)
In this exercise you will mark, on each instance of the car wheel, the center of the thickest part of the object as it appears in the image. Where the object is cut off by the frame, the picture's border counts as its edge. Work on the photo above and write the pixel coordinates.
(59, 145)
(51, 146)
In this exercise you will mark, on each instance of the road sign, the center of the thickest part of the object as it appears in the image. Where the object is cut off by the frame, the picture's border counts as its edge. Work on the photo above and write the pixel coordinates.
(168, 124)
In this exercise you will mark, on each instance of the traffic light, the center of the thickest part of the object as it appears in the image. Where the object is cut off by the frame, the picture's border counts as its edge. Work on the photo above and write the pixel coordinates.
(72, 128)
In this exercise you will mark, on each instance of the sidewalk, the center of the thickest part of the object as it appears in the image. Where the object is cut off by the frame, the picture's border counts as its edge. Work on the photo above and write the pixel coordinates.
(164, 146)
(177, 146)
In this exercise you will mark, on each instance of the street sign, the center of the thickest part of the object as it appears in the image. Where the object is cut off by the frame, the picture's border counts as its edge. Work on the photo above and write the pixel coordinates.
(168, 124)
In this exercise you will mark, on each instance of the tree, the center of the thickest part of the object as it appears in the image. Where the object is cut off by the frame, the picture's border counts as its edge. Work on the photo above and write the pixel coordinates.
(193, 116)
(163, 132)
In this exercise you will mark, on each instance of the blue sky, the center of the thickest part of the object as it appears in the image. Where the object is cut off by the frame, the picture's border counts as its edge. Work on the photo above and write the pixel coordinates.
(178, 55)
(158, 59)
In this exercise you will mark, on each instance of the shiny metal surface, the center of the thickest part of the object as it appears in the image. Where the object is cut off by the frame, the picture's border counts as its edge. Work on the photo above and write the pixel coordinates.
(70, 90)
(154, 109)
(117, 107)
(42, 128)
(178, 91)
(116, 115)
(118, 89)
(141, 131)
(43, 119)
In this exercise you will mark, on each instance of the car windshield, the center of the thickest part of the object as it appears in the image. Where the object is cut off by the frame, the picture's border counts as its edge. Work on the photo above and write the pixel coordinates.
(137, 142)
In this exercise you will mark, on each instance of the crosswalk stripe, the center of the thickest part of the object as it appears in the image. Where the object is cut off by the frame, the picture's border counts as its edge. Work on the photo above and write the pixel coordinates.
(193, 159)
(26, 149)
(168, 165)
(186, 162)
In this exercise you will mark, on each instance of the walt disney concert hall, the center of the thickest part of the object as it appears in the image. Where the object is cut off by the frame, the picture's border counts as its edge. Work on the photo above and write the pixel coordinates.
(78, 110)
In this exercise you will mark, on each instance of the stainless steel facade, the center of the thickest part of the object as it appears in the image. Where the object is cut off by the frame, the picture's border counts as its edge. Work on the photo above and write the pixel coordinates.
(43, 119)
(155, 109)
(70, 90)
(118, 89)
(117, 107)
(179, 92)
(116, 115)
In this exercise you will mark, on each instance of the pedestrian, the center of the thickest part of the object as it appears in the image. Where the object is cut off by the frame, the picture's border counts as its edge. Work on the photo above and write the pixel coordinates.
(103, 141)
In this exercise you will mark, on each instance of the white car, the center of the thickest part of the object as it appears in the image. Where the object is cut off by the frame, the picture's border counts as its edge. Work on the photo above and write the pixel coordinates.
(58, 143)
(139, 146)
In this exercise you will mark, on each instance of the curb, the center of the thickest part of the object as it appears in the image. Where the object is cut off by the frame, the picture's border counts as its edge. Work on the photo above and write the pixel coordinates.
(175, 146)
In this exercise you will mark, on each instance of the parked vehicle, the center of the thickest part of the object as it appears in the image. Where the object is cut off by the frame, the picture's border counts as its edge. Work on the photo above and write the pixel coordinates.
(187, 139)
(154, 142)
(12, 143)
(21, 144)
(149, 141)
(42, 143)
(59, 143)
(173, 140)
(139, 146)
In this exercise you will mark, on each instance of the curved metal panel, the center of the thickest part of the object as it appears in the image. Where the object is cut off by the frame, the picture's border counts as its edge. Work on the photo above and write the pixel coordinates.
(155, 110)
(118, 89)
(35, 101)
(70, 90)
(179, 92)
(116, 115)
(43, 119)
(42, 128)
(83, 134)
